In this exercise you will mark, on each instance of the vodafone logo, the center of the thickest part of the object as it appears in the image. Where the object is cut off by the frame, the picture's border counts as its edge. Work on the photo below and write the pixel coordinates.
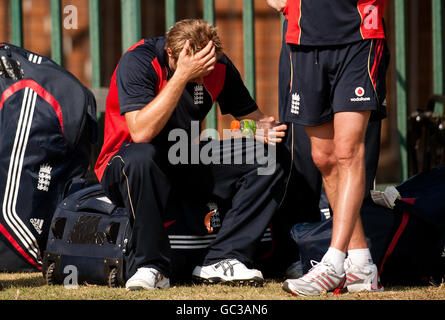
(359, 92)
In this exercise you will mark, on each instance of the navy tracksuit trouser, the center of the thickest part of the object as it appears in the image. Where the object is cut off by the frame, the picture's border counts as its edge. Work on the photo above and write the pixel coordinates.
(141, 178)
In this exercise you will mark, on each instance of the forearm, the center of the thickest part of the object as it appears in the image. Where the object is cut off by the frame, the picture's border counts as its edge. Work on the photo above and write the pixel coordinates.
(147, 123)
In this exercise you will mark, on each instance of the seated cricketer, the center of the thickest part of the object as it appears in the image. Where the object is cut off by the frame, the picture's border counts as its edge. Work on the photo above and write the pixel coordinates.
(170, 83)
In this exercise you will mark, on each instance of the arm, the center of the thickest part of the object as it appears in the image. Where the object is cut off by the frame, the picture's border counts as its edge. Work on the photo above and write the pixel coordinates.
(277, 4)
(145, 124)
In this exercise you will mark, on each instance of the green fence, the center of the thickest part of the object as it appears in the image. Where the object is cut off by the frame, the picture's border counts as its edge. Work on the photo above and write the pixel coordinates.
(131, 33)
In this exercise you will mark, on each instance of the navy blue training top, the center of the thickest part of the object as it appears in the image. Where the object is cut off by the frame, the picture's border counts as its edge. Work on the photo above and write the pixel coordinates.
(140, 75)
(333, 22)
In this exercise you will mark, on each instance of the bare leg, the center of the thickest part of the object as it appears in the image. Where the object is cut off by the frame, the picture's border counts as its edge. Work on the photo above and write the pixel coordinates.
(338, 151)
(358, 238)
(322, 149)
(349, 137)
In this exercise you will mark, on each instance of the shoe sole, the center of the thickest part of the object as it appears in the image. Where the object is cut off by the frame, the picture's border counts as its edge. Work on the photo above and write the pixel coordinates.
(301, 294)
(289, 290)
(362, 287)
(296, 293)
(138, 288)
(254, 282)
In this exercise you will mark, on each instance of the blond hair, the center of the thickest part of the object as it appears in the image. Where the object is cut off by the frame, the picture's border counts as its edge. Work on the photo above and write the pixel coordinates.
(197, 31)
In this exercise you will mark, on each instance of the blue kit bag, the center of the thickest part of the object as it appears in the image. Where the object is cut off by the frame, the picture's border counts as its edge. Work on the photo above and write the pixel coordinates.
(47, 130)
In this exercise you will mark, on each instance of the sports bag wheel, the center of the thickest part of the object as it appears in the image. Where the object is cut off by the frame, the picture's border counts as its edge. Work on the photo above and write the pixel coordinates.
(50, 274)
(112, 278)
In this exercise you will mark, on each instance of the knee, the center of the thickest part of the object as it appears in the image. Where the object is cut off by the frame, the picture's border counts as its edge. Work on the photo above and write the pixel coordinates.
(324, 161)
(140, 155)
(346, 155)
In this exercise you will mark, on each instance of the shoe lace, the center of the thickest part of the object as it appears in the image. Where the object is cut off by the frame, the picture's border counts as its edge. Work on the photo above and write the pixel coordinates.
(156, 274)
(227, 265)
(316, 270)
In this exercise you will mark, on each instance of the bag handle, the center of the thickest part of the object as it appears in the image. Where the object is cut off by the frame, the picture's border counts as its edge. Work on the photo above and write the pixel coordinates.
(96, 203)
(91, 199)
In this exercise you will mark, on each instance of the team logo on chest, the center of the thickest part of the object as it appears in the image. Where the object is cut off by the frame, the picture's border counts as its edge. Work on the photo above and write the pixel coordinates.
(295, 106)
(198, 94)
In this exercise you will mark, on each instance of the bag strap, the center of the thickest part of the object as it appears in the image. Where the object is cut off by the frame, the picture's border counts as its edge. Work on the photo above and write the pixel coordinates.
(397, 235)
(395, 239)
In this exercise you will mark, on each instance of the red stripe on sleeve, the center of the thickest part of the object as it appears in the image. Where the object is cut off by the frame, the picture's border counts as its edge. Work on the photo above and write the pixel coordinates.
(292, 13)
(162, 74)
(371, 13)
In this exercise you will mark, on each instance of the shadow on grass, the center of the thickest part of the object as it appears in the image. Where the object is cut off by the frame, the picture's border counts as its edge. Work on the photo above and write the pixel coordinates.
(34, 280)
(190, 283)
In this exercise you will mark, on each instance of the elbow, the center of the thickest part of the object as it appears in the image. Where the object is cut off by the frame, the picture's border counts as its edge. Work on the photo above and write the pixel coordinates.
(140, 131)
(142, 137)
(137, 139)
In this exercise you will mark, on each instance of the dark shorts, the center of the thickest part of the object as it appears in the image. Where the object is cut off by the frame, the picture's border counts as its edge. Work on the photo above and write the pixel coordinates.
(330, 79)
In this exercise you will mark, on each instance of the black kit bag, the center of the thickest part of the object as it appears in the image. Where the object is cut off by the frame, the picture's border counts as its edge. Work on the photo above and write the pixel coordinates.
(91, 235)
(406, 242)
(47, 128)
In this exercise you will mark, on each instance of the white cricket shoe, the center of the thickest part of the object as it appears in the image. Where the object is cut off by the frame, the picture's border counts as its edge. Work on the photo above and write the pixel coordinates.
(362, 278)
(148, 279)
(321, 278)
(228, 271)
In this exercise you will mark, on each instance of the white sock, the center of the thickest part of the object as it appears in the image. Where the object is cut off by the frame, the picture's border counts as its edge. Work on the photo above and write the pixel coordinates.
(336, 258)
(360, 257)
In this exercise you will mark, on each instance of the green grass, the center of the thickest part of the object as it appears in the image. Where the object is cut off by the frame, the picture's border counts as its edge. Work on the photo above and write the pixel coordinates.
(31, 286)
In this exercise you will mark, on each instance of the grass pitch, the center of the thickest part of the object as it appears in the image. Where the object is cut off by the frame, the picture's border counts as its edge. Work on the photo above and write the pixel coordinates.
(32, 286)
